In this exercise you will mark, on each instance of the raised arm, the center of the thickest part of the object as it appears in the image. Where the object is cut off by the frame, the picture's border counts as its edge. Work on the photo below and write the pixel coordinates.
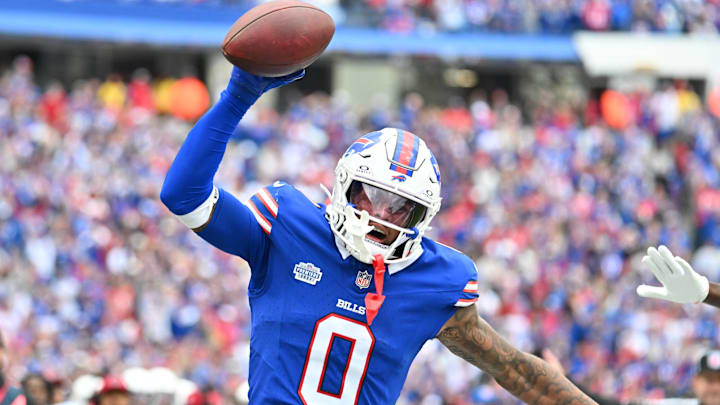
(527, 377)
(188, 187)
(188, 191)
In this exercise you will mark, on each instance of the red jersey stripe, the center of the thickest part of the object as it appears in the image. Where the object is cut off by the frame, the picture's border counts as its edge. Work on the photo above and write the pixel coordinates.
(262, 221)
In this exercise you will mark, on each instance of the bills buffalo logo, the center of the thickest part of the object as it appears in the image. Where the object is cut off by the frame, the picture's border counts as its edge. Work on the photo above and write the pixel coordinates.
(399, 178)
(363, 279)
(363, 143)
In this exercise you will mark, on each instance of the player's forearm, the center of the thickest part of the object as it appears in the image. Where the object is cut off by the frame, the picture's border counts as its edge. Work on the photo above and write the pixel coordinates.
(535, 382)
(526, 376)
(713, 297)
(189, 180)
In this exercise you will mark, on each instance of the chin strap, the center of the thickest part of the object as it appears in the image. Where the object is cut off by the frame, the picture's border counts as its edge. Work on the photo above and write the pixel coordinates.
(373, 301)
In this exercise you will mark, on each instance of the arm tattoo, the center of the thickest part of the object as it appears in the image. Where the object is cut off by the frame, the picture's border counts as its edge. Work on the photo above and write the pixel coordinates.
(525, 376)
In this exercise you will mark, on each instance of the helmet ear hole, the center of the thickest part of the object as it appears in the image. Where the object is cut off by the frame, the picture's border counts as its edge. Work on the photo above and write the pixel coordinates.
(342, 175)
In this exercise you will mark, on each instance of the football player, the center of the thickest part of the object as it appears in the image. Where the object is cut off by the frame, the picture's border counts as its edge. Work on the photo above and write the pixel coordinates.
(344, 296)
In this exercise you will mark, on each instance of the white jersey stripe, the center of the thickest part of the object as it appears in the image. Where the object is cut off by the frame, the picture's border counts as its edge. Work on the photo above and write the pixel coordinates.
(264, 223)
(268, 201)
(465, 302)
(471, 287)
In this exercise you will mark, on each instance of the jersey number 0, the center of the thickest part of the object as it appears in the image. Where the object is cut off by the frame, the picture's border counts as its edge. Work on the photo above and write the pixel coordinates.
(361, 340)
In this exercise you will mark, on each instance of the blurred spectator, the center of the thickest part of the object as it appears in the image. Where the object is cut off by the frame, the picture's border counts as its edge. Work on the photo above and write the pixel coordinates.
(189, 98)
(57, 390)
(8, 395)
(207, 396)
(113, 392)
(706, 383)
(53, 106)
(196, 398)
(37, 390)
(112, 93)
(596, 15)
(140, 92)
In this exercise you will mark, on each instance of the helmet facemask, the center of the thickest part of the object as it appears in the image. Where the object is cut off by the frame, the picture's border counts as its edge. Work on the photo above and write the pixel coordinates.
(390, 213)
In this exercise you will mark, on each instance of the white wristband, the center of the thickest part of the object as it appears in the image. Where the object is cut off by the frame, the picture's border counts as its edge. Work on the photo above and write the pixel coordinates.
(200, 215)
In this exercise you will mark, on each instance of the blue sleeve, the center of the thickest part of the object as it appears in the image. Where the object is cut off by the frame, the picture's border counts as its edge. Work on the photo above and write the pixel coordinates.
(189, 180)
(469, 293)
(246, 229)
(234, 229)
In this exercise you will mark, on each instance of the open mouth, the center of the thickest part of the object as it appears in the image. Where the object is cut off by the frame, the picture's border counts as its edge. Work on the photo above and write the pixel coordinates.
(377, 235)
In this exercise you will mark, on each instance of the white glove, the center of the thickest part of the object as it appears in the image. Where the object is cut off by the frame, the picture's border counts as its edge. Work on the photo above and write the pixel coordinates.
(680, 282)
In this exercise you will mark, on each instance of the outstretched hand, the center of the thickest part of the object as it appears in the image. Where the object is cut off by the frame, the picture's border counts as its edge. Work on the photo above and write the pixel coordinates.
(680, 283)
(243, 83)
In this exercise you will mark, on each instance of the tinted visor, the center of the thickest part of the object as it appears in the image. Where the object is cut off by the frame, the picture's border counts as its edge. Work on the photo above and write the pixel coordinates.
(385, 205)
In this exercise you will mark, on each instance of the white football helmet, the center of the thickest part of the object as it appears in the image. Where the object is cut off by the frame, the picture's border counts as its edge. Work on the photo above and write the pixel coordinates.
(389, 178)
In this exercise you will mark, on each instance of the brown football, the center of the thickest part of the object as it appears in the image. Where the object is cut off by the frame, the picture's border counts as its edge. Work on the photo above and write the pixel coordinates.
(278, 38)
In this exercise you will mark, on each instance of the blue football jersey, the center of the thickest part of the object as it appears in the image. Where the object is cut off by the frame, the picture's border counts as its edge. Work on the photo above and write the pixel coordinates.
(310, 341)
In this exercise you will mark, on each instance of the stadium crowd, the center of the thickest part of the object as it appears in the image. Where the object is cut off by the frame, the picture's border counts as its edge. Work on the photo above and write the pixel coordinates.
(526, 16)
(509, 16)
(555, 206)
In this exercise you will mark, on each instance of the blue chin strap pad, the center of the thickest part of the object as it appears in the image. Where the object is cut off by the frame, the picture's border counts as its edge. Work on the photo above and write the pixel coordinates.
(414, 233)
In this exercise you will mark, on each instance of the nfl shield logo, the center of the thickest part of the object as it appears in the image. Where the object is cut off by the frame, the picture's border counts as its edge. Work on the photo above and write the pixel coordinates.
(363, 279)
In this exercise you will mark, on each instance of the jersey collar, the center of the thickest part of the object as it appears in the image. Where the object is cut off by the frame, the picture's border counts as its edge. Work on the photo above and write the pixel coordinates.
(393, 267)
